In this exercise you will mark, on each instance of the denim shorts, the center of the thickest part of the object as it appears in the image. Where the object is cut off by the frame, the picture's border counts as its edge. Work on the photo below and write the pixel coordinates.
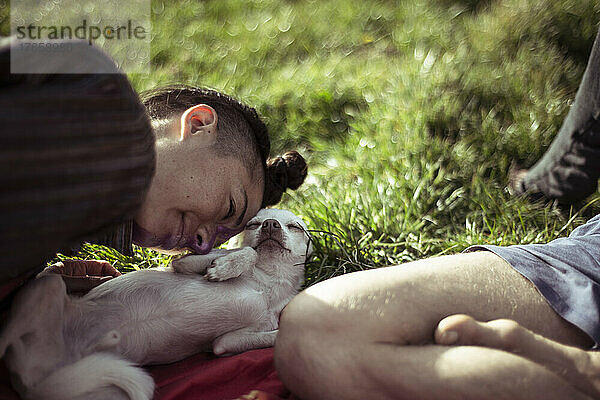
(566, 271)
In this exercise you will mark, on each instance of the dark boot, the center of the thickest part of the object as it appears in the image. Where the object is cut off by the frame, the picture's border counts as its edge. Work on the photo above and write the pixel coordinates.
(569, 170)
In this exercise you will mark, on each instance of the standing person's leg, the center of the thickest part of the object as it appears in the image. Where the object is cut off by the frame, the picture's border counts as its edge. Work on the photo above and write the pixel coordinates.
(370, 333)
(76, 155)
(569, 170)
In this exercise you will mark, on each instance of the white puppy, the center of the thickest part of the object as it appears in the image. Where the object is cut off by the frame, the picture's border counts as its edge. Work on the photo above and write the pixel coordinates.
(228, 301)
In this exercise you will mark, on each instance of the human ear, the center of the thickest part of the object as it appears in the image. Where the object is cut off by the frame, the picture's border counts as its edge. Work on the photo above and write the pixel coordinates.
(199, 122)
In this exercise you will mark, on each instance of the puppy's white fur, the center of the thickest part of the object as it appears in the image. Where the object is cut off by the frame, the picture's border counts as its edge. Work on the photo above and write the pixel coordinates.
(228, 301)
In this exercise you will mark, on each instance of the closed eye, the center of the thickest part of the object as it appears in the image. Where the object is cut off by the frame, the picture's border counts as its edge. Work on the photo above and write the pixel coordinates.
(252, 225)
(295, 227)
(231, 210)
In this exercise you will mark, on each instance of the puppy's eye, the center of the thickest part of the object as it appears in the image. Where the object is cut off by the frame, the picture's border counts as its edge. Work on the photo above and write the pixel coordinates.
(252, 225)
(295, 227)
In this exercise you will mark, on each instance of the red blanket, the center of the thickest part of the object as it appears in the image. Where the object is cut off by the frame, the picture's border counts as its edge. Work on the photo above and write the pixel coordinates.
(201, 377)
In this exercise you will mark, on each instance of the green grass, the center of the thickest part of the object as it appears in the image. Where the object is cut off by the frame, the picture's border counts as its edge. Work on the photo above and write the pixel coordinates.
(409, 112)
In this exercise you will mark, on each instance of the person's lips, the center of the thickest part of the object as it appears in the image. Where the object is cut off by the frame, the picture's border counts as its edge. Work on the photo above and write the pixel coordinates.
(225, 233)
(145, 238)
(220, 235)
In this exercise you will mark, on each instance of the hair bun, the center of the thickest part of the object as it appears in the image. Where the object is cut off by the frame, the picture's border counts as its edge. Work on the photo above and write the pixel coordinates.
(287, 171)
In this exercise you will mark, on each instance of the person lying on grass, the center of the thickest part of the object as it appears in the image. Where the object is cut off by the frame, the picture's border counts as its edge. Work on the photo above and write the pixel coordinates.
(390, 333)
(84, 159)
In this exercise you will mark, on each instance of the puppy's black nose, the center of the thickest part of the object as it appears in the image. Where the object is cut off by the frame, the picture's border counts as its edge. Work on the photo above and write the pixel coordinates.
(271, 225)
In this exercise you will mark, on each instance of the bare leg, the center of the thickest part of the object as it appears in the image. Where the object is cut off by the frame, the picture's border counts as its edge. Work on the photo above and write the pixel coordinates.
(328, 332)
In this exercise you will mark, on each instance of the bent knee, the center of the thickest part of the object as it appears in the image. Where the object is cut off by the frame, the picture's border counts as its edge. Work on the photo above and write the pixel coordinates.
(300, 322)
(308, 357)
(305, 312)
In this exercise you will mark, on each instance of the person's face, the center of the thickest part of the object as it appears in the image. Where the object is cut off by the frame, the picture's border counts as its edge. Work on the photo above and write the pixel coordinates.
(197, 198)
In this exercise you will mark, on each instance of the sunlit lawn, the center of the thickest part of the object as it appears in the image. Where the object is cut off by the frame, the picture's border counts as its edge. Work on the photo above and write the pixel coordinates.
(409, 113)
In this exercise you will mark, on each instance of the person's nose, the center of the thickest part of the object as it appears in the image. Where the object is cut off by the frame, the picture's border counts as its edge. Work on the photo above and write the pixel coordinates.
(271, 225)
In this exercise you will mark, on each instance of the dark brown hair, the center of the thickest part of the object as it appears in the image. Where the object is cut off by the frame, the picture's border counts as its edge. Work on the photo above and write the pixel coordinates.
(238, 126)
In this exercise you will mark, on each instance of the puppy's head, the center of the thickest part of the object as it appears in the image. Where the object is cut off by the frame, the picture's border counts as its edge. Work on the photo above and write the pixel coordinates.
(278, 235)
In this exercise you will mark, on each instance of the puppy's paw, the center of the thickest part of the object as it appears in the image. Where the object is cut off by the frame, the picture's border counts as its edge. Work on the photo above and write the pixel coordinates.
(219, 272)
(231, 265)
